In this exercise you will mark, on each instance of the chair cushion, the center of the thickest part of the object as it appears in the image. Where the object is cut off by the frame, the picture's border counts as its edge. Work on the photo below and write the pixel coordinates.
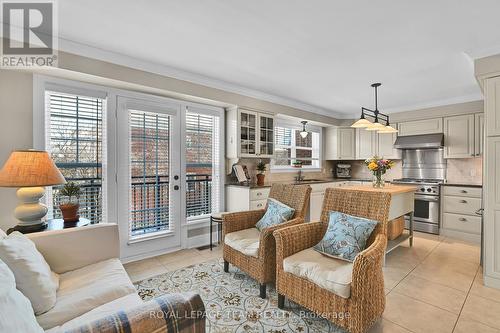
(328, 273)
(87, 288)
(276, 213)
(246, 241)
(121, 304)
(345, 236)
(16, 313)
(2, 234)
(33, 275)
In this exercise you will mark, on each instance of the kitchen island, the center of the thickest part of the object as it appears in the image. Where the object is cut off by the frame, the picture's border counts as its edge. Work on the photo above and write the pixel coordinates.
(402, 203)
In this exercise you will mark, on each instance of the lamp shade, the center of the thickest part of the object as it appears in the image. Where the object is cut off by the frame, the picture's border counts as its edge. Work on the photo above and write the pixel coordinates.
(29, 168)
(361, 123)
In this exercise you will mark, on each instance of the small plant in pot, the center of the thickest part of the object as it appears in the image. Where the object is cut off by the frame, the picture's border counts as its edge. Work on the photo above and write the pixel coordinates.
(69, 208)
(261, 168)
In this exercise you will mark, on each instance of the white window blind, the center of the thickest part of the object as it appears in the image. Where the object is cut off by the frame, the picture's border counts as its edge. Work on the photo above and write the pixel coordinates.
(149, 150)
(74, 130)
(291, 148)
(202, 164)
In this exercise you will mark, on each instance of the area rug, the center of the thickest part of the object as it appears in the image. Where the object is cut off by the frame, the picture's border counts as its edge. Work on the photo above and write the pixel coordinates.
(232, 301)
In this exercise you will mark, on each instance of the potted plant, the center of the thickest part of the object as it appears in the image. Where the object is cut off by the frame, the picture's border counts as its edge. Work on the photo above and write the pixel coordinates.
(261, 168)
(69, 208)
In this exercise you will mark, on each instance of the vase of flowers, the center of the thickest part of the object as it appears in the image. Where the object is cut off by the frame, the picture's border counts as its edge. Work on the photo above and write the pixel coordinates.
(378, 166)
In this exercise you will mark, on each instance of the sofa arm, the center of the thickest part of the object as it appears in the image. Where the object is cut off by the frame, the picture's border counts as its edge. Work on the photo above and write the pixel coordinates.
(179, 313)
(69, 249)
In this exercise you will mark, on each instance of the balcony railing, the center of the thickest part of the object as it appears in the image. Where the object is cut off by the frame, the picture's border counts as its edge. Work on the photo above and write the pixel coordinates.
(149, 202)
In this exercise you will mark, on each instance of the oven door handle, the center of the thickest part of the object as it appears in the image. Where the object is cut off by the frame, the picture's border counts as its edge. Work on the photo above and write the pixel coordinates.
(430, 198)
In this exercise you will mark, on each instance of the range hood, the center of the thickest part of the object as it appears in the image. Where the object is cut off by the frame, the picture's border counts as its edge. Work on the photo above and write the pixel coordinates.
(420, 141)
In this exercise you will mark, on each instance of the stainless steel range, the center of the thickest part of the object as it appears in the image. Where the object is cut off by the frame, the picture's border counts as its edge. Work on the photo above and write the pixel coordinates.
(427, 203)
(426, 169)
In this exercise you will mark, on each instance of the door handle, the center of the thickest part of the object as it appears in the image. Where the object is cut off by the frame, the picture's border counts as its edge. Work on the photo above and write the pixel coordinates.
(463, 219)
(463, 201)
(463, 191)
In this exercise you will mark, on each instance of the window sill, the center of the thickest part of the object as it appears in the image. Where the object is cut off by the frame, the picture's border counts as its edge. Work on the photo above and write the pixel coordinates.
(291, 169)
(155, 235)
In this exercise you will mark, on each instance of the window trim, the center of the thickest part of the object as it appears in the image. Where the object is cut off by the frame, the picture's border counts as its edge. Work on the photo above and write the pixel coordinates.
(312, 128)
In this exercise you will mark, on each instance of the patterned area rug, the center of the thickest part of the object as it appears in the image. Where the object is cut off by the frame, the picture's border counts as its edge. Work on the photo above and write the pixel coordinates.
(232, 301)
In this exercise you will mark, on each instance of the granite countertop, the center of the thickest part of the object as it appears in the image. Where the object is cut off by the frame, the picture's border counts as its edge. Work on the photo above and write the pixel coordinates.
(464, 184)
(315, 181)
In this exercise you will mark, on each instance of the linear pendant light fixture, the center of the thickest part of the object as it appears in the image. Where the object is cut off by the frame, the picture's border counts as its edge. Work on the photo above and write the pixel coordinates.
(379, 118)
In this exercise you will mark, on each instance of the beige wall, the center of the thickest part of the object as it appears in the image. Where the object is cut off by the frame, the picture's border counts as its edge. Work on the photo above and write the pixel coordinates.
(16, 129)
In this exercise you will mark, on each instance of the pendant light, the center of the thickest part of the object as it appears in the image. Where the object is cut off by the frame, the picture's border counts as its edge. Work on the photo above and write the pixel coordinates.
(378, 118)
(303, 133)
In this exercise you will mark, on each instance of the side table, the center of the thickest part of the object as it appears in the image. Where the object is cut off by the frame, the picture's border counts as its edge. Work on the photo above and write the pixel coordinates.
(216, 218)
(53, 224)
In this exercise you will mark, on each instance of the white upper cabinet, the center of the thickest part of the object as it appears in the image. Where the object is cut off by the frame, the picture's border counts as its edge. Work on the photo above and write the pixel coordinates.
(386, 146)
(459, 136)
(339, 143)
(249, 134)
(478, 134)
(366, 144)
(426, 126)
(492, 104)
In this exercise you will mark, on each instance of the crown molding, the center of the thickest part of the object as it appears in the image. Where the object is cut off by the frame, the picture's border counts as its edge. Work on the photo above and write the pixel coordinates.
(89, 51)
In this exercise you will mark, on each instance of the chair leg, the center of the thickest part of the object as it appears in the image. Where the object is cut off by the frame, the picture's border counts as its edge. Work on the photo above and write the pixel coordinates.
(226, 266)
(263, 290)
(281, 301)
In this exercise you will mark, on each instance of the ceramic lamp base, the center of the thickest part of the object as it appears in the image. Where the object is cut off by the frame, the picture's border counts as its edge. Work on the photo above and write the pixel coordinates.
(30, 211)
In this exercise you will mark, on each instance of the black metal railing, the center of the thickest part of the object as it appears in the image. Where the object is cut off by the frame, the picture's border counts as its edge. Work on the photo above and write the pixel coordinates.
(149, 201)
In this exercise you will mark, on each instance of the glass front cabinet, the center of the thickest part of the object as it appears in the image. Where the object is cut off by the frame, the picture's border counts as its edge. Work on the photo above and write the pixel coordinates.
(250, 133)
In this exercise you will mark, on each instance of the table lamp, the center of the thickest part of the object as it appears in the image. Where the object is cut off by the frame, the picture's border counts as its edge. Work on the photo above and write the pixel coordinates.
(30, 170)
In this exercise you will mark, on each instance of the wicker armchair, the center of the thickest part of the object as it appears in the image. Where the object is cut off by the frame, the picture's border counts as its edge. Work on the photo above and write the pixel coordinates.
(263, 266)
(366, 301)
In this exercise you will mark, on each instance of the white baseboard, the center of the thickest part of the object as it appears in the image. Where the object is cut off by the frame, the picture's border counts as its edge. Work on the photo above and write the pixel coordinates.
(201, 240)
(491, 282)
(464, 236)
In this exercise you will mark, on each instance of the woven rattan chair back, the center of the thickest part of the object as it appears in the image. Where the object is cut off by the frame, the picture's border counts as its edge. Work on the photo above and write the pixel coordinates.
(295, 196)
(370, 205)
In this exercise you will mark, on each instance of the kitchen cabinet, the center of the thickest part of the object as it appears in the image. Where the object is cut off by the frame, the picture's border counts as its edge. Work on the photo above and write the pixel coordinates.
(492, 106)
(366, 143)
(385, 145)
(459, 206)
(459, 136)
(416, 127)
(249, 133)
(340, 143)
(243, 198)
(478, 134)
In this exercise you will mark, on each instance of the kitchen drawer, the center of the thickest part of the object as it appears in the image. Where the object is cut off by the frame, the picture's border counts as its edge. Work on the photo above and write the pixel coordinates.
(258, 204)
(259, 193)
(461, 205)
(473, 192)
(464, 223)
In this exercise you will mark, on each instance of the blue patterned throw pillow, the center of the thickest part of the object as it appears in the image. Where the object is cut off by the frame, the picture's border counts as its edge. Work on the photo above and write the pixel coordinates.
(346, 236)
(276, 213)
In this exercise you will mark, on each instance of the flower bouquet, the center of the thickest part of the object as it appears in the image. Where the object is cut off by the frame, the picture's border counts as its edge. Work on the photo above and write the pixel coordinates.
(378, 166)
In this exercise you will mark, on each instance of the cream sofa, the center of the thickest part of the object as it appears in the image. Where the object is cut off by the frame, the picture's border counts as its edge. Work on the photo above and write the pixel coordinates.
(95, 293)
(92, 280)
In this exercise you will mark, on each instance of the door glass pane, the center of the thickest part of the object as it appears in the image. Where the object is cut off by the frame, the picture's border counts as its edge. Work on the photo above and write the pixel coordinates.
(149, 150)
(202, 156)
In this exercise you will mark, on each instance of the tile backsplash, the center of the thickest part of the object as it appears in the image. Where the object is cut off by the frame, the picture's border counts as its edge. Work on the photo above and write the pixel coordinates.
(465, 170)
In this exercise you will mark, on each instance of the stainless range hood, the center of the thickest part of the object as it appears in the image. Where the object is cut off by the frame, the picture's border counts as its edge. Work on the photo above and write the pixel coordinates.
(420, 141)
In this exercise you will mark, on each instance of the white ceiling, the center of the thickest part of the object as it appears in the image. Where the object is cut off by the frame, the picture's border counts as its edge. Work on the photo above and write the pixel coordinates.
(321, 53)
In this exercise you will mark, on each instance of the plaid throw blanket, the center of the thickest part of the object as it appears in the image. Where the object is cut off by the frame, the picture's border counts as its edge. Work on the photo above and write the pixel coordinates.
(175, 313)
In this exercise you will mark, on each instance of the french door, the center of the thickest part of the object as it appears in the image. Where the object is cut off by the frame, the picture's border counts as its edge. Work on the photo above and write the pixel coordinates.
(149, 175)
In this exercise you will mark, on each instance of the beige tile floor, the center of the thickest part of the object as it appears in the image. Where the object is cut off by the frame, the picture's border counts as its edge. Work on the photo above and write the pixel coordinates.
(434, 286)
